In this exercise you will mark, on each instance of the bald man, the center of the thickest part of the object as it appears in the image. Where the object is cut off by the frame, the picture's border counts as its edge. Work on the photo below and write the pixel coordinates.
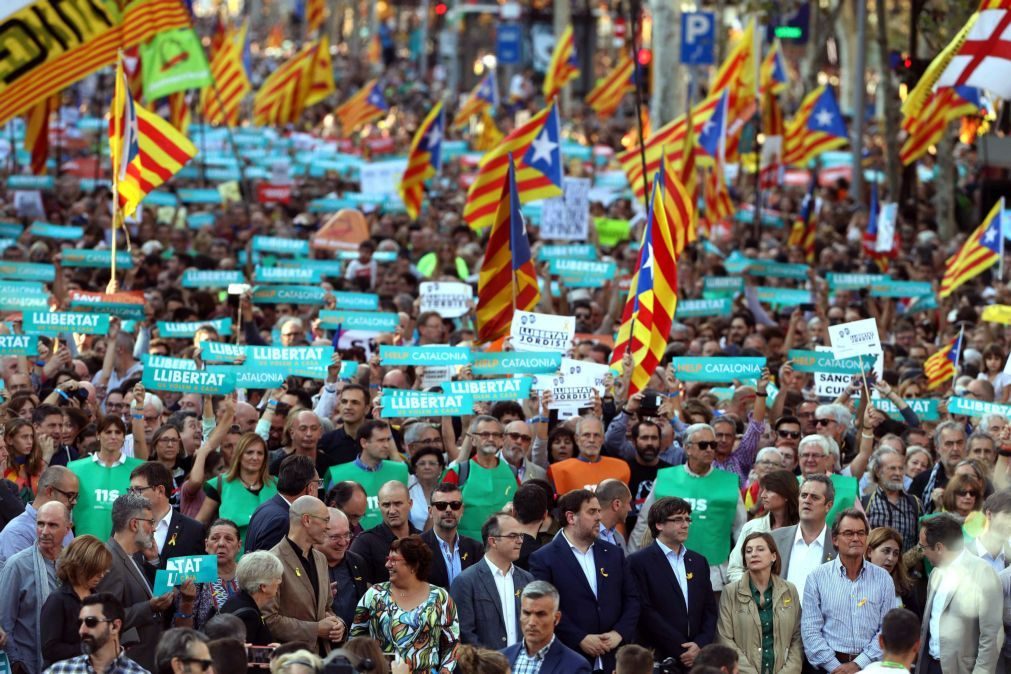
(373, 545)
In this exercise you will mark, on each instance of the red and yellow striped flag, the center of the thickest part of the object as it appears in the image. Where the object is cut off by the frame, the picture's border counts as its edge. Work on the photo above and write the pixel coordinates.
(229, 73)
(564, 64)
(423, 160)
(983, 249)
(315, 14)
(321, 83)
(609, 92)
(940, 367)
(282, 97)
(180, 115)
(37, 133)
(927, 128)
(718, 204)
(367, 104)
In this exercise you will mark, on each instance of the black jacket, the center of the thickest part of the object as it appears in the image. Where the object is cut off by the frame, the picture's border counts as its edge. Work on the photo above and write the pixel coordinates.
(373, 546)
(185, 537)
(11, 504)
(60, 639)
(470, 553)
(242, 606)
(268, 524)
(356, 567)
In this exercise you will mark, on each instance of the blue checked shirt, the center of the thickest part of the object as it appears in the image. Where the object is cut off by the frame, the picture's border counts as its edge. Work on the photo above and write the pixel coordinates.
(82, 665)
(531, 664)
(844, 616)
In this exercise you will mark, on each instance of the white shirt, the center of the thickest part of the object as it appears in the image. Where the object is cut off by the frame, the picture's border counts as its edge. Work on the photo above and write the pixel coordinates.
(949, 581)
(879, 668)
(586, 563)
(804, 559)
(507, 597)
(677, 565)
(996, 563)
(161, 528)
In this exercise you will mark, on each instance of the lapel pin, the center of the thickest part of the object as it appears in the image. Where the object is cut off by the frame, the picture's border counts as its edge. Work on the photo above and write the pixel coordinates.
(464, 556)
(787, 601)
(861, 602)
(689, 575)
(297, 572)
(517, 593)
(602, 572)
(172, 541)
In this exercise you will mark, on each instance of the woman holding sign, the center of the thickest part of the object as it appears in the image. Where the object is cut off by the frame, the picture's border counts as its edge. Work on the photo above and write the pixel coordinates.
(235, 495)
(209, 598)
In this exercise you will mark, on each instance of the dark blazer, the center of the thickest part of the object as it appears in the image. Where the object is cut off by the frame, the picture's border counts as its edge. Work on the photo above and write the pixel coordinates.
(614, 607)
(242, 606)
(185, 537)
(471, 551)
(356, 567)
(560, 659)
(143, 627)
(479, 607)
(664, 624)
(268, 524)
(373, 546)
(11, 504)
(60, 638)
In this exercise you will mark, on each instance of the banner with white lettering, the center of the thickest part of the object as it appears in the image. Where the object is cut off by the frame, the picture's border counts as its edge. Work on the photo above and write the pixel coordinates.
(567, 218)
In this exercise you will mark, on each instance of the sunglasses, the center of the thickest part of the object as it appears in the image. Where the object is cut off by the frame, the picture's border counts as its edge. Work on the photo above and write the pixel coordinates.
(92, 621)
(204, 664)
(519, 436)
(442, 505)
(789, 434)
(968, 492)
(705, 444)
(823, 422)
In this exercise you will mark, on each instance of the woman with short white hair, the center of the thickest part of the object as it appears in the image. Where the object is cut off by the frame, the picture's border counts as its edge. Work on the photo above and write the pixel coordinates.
(259, 577)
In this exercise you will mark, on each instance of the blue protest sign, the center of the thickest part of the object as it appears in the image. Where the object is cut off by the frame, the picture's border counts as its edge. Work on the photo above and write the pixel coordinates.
(516, 362)
(424, 355)
(198, 568)
(509, 44)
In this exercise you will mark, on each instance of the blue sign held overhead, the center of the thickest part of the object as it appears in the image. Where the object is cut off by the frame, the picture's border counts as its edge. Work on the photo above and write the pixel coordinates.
(509, 44)
(698, 38)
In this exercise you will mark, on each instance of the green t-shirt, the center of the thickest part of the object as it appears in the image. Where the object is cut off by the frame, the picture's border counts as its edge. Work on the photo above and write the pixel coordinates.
(846, 489)
(238, 503)
(371, 481)
(485, 492)
(100, 486)
(714, 503)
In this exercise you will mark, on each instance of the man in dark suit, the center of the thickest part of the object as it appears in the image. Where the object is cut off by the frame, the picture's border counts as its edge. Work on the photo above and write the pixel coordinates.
(175, 535)
(373, 545)
(539, 615)
(599, 601)
(679, 610)
(346, 568)
(487, 594)
(269, 523)
(132, 533)
(452, 552)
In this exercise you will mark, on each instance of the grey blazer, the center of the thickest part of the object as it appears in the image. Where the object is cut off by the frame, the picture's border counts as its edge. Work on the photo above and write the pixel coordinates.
(784, 542)
(143, 627)
(531, 471)
(479, 608)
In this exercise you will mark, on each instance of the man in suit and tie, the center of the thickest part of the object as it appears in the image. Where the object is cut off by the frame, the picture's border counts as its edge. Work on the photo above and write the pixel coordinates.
(302, 609)
(679, 610)
(540, 651)
(487, 594)
(132, 533)
(175, 535)
(963, 629)
(807, 545)
(615, 503)
(516, 450)
(452, 552)
(599, 601)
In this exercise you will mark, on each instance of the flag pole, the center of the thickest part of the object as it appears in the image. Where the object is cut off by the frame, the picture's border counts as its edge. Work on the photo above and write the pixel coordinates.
(634, 29)
(1000, 228)
(116, 213)
(59, 134)
(14, 149)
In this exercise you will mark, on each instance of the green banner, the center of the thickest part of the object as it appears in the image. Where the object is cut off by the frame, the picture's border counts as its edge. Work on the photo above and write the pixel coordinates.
(696, 308)
(977, 408)
(823, 361)
(717, 369)
(173, 61)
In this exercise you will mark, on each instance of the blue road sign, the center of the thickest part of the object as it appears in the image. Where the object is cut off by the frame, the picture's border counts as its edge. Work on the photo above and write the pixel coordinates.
(698, 38)
(509, 44)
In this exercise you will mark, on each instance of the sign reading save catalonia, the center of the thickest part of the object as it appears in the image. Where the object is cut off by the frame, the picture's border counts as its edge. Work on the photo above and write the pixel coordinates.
(55, 322)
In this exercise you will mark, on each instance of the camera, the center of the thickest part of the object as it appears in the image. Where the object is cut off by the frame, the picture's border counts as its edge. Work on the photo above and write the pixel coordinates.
(651, 402)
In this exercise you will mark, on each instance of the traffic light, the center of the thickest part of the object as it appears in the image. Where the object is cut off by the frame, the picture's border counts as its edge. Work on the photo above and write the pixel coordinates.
(441, 9)
(644, 56)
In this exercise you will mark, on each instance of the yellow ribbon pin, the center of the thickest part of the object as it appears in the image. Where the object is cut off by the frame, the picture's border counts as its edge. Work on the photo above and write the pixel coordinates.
(787, 601)
(602, 572)
(689, 575)
(172, 541)
(464, 556)
(297, 572)
(861, 602)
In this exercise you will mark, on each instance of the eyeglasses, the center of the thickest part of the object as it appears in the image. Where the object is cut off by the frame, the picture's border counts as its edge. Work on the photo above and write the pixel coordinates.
(145, 519)
(488, 435)
(169, 441)
(340, 537)
(92, 621)
(968, 492)
(394, 560)
(519, 437)
(679, 520)
(71, 495)
(442, 505)
(789, 434)
(138, 490)
(705, 444)
(512, 537)
(204, 664)
(823, 422)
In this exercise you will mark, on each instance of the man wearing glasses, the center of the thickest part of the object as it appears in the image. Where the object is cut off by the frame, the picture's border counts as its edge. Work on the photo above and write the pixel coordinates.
(55, 484)
(346, 568)
(486, 481)
(589, 468)
(100, 626)
(452, 552)
(184, 651)
(518, 440)
(175, 535)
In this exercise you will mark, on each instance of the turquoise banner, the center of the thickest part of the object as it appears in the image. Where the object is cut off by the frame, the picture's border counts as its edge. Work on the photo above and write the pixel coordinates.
(203, 382)
(427, 405)
(329, 205)
(289, 295)
(854, 281)
(378, 256)
(333, 268)
(301, 361)
(198, 568)
(11, 229)
(184, 330)
(515, 362)
(424, 355)
(167, 362)
(777, 269)
(99, 259)
(31, 182)
(902, 289)
(55, 322)
(697, 308)
(573, 251)
(47, 230)
(358, 320)
(589, 269)
(977, 408)
(356, 301)
(252, 377)
(199, 196)
(288, 275)
(723, 286)
(198, 220)
(280, 245)
(221, 352)
(926, 408)
(783, 296)
(924, 303)
(19, 302)
(19, 345)
(517, 388)
(28, 271)
(159, 199)
(211, 278)
(819, 361)
(31, 288)
(132, 312)
(717, 369)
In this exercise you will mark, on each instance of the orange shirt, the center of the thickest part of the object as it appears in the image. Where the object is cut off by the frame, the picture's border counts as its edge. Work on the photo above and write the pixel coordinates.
(578, 474)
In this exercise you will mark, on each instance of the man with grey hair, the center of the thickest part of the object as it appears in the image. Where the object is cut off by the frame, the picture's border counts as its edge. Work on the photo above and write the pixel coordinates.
(302, 611)
(949, 445)
(889, 505)
(994, 424)
(26, 582)
(518, 443)
(56, 483)
(346, 568)
(179, 649)
(836, 421)
(133, 533)
(292, 331)
(819, 455)
(119, 364)
(539, 615)
(715, 498)
(589, 468)
(983, 447)
(486, 481)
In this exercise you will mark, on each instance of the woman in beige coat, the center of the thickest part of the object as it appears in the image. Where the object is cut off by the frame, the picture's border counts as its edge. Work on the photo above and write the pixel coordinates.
(760, 613)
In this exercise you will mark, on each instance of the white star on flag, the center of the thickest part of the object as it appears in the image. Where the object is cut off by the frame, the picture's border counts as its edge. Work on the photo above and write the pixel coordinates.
(989, 235)
(708, 126)
(648, 264)
(823, 118)
(434, 136)
(543, 148)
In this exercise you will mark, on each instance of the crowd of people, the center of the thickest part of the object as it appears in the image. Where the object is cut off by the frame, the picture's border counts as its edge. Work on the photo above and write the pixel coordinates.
(758, 526)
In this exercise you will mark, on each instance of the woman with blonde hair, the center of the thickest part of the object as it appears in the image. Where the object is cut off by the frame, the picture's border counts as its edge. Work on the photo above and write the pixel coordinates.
(236, 494)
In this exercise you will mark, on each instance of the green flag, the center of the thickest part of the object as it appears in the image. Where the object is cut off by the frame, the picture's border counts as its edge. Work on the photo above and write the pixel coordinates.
(173, 61)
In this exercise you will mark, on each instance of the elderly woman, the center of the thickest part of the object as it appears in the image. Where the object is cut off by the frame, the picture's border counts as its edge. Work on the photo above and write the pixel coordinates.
(427, 466)
(409, 617)
(259, 576)
(760, 613)
(80, 567)
(780, 499)
(223, 542)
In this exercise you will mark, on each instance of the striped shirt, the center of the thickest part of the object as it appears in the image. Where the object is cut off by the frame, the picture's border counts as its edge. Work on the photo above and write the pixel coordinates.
(531, 664)
(843, 615)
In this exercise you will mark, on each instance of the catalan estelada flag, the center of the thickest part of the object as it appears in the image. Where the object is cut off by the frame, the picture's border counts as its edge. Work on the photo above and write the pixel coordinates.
(983, 249)
(802, 234)
(222, 106)
(940, 367)
(145, 149)
(282, 96)
(773, 75)
(423, 160)
(366, 105)
(718, 204)
(564, 64)
(537, 145)
(37, 133)
(817, 127)
(484, 96)
(609, 92)
(508, 280)
(315, 13)
(927, 127)
(652, 298)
